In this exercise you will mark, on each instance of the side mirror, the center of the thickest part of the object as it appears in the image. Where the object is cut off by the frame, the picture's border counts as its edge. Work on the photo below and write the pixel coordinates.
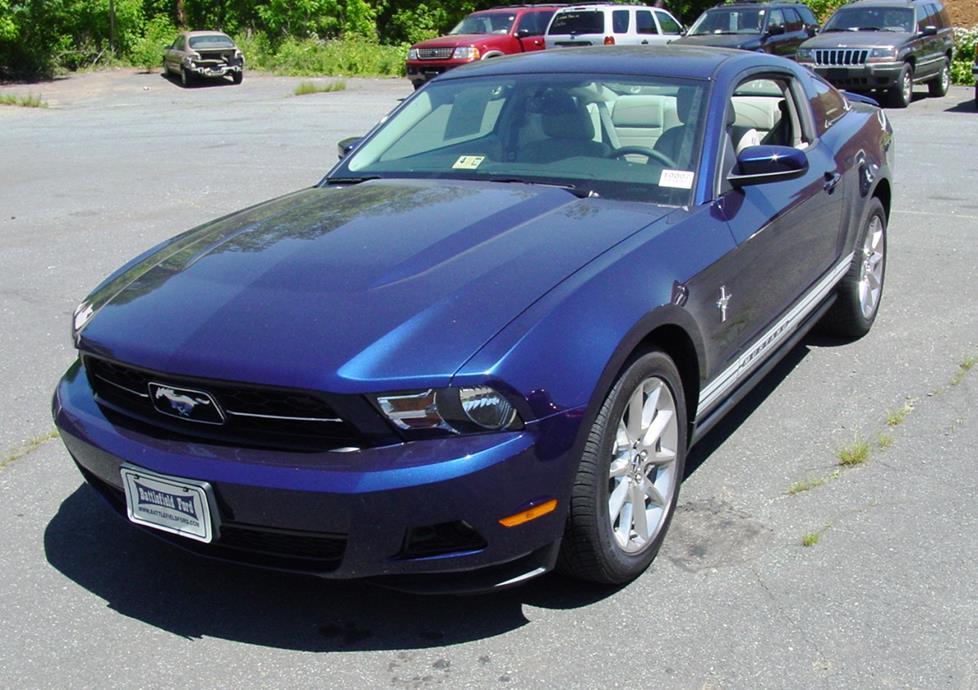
(811, 31)
(344, 146)
(763, 164)
(929, 31)
(524, 33)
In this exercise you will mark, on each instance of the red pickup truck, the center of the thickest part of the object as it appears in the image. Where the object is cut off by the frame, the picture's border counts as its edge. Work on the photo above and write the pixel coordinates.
(481, 35)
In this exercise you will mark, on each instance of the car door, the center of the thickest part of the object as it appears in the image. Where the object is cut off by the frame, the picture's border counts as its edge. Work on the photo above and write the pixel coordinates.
(787, 232)
(647, 31)
(669, 26)
(529, 32)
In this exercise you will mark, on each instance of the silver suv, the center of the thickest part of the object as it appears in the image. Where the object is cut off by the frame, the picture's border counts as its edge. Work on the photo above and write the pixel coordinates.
(586, 25)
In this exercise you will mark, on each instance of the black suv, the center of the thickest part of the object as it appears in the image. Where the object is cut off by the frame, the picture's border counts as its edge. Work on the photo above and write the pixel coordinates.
(769, 27)
(885, 46)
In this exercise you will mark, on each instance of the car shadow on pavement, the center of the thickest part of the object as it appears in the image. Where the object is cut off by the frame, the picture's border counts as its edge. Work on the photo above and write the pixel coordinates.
(196, 83)
(968, 106)
(193, 597)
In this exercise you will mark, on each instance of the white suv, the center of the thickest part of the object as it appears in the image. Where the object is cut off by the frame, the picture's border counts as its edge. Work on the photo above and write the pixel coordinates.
(586, 25)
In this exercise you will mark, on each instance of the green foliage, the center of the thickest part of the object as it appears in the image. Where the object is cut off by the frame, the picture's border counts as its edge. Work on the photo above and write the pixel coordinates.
(28, 101)
(308, 87)
(147, 52)
(823, 9)
(964, 56)
(350, 55)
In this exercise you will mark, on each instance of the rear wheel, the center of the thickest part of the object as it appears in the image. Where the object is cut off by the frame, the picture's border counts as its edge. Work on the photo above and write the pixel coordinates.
(939, 85)
(628, 480)
(859, 292)
(902, 92)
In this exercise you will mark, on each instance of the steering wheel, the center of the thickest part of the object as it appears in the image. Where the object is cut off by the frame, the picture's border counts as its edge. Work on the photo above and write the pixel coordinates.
(643, 151)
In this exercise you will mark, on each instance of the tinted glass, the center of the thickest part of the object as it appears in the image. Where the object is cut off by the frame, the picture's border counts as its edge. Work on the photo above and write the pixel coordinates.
(585, 22)
(485, 23)
(898, 19)
(668, 24)
(807, 16)
(792, 20)
(776, 19)
(216, 41)
(644, 24)
(545, 129)
(534, 23)
(619, 21)
(732, 21)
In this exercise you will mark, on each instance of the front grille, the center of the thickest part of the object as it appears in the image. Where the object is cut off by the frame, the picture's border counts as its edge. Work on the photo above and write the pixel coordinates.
(435, 53)
(841, 57)
(316, 552)
(256, 416)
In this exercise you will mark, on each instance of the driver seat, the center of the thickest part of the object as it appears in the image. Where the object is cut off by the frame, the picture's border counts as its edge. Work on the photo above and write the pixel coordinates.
(569, 129)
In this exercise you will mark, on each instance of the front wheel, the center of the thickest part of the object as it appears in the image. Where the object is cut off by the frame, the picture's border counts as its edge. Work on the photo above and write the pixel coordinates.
(937, 87)
(859, 292)
(238, 77)
(184, 77)
(627, 483)
(902, 92)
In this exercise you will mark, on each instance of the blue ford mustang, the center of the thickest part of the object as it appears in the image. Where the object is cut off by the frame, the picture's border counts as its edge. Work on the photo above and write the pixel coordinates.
(481, 347)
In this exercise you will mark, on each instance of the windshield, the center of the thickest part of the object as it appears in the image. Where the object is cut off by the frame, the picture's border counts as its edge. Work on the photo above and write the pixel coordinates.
(216, 41)
(593, 135)
(485, 23)
(732, 21)
(872, 19)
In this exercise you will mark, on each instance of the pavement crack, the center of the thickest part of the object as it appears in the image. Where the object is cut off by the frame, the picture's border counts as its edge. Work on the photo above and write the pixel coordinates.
(782, 611)
(25, 449)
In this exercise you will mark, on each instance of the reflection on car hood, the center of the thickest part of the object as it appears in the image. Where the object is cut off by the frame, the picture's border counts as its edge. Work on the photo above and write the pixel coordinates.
(393, 282)
(456, 40)
(857, 39)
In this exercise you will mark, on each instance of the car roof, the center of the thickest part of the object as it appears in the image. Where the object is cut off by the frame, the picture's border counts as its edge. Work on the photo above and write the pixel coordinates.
(604, 6)
(194, 34)
(763, 3)
(885, 3)
(682, 62)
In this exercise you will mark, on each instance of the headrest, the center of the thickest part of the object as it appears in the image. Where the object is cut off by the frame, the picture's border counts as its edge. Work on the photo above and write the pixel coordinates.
(563, 118)
(638, 111)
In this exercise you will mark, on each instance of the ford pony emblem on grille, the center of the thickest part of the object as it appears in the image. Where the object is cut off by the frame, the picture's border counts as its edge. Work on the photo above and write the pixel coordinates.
(185, 403)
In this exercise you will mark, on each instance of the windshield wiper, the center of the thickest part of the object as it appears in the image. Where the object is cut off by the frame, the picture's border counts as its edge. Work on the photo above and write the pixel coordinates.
(579, 192)
(351, 180)
(869, 28)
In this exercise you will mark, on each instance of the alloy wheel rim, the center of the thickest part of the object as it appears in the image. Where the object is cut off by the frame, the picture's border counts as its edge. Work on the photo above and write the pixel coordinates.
(945, 78)
(907, 88)
(871, 270)
(642, 476)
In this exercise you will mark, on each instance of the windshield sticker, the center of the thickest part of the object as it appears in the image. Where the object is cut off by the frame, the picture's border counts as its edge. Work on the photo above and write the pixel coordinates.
(677, 179)
(468, 162)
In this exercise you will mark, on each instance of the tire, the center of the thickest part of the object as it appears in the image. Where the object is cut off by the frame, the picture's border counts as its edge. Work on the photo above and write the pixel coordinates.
(166, 70)
(860, 291)
(184, 77)
(902, 93)
(238, 77)
(612, 546)
(976, 96)
(938, 86)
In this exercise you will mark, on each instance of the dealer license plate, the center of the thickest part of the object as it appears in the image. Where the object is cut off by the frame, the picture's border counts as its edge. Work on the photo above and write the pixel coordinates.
(179, 506)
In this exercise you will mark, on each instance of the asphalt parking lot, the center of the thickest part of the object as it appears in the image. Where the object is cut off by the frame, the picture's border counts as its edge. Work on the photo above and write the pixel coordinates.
(885, 599)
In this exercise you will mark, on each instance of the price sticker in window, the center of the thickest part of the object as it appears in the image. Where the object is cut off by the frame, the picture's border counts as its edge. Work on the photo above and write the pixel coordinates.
(677, 179)
(468, 162)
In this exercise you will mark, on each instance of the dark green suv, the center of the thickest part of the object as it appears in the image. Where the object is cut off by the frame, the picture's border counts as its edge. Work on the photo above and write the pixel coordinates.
(885, 46)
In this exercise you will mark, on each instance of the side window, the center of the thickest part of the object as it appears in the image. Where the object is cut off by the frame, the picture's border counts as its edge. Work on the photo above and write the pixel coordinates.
(776, 18)
(807, 16)
(644, 23)
(828, 105)
(533, 24)
(619, 21)
(920, 13)
(792, 22)
(668, 24)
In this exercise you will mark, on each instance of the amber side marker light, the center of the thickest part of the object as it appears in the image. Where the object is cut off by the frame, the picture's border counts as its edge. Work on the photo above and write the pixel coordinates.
(531, 514)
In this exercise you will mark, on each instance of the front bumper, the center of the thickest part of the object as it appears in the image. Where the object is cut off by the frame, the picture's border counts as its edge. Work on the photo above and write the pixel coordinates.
(881, 75)
(351, 515)
(421, 71)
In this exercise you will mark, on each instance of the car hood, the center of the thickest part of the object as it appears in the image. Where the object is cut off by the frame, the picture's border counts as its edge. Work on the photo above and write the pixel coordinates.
(857, 39)
(455, 40)
(719, 40)
(347, 289)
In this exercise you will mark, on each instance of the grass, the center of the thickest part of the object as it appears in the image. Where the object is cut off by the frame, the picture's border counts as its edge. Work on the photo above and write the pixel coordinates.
(811, 483)
(854, 454)
(351, 56)
(27, 448)
(885, 441)
(28, 101)
(810, 539)
(307, 87)
(897, 417)
(966, 366)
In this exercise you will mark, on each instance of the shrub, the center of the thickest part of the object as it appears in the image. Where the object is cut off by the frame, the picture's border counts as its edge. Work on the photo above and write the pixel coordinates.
(964, 56)
(148, 50)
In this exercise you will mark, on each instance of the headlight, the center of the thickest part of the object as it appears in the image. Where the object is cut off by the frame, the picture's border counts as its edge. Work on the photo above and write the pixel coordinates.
(188, 61)
(882, 54)
(466, 53)
(803, 54)
(469, 409)
(83, 314)
(412, 54)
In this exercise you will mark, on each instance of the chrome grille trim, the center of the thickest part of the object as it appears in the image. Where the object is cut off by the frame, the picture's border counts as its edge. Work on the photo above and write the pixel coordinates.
(435, 53)
(331, 420)
(841, 57)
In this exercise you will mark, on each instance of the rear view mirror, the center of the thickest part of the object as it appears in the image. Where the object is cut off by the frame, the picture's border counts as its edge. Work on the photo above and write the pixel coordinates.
(763, 164)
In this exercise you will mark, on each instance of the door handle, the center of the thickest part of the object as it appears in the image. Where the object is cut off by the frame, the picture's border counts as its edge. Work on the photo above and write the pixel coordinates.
(831, 180)
(645, 43)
